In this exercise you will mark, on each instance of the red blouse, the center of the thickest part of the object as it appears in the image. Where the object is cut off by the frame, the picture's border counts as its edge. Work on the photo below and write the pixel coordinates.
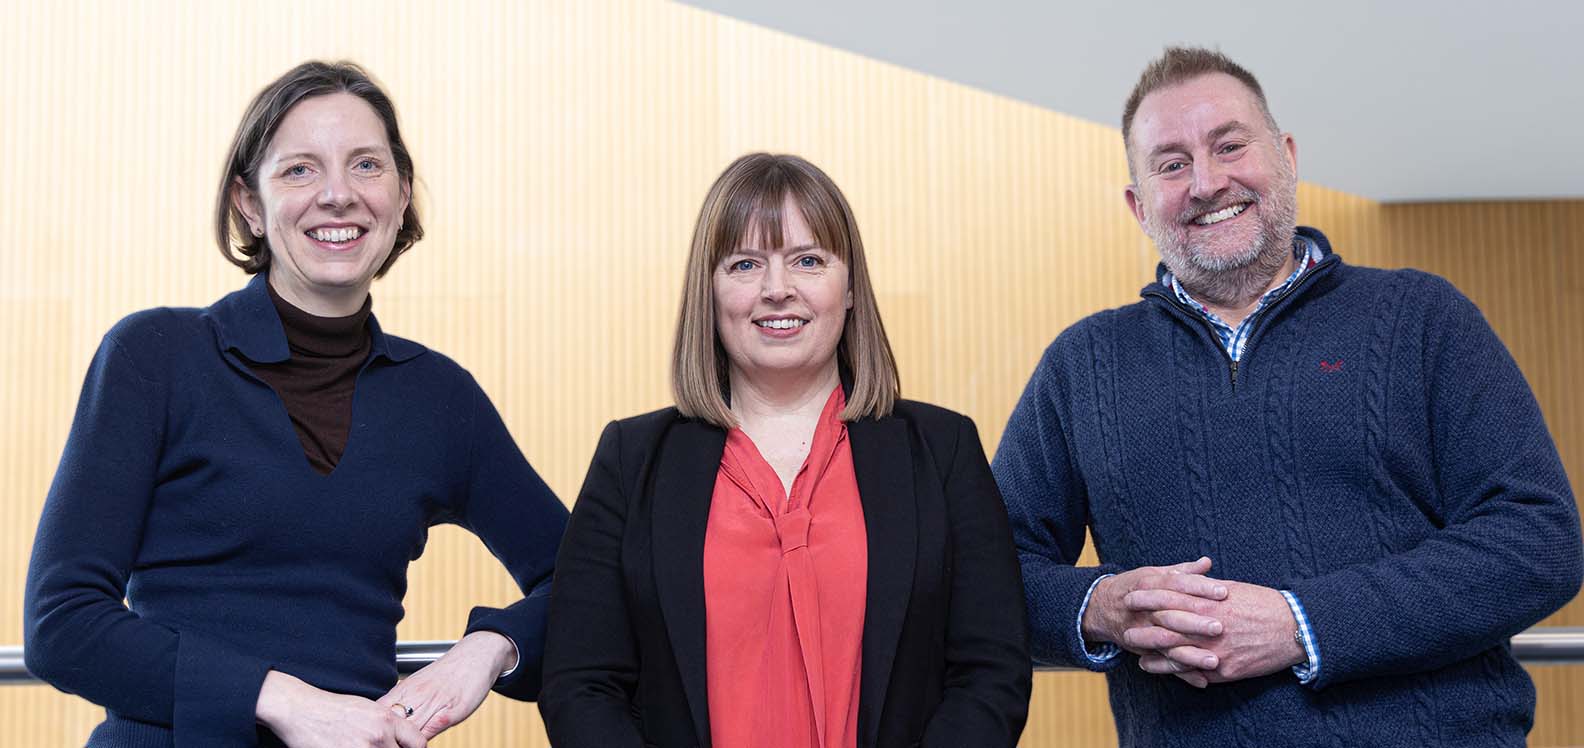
(784, 585)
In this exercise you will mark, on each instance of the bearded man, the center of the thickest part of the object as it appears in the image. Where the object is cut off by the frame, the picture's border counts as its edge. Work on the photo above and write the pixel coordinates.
(1323, 496)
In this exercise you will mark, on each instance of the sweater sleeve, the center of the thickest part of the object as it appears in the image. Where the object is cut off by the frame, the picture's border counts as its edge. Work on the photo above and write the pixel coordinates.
(1508, 550)
(520, 520)
(80, 636)
(1048, 507)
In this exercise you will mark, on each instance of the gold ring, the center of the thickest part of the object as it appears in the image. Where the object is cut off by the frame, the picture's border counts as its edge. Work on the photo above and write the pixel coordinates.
(405, 710)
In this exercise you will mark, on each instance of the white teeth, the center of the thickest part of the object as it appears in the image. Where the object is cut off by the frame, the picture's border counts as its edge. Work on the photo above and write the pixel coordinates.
(1220, 215)
(780, 324)
(336, 236)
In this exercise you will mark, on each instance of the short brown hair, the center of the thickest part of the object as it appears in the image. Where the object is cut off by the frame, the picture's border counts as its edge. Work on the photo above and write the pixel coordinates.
(1180, 65)
(750, 197)
(258, 126)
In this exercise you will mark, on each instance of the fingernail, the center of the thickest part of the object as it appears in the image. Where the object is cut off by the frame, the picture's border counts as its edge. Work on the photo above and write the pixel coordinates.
(1219, 591)
(1209, 663)
(1214, 628)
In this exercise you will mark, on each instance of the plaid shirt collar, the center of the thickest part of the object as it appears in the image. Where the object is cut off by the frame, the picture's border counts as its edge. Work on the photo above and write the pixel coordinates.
(1305, 250)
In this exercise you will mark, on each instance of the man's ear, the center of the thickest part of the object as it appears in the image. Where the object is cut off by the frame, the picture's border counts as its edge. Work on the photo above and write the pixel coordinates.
(1135, 202)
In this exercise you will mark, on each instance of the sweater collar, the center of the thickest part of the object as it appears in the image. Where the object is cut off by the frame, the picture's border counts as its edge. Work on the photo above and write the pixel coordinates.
(246, 321)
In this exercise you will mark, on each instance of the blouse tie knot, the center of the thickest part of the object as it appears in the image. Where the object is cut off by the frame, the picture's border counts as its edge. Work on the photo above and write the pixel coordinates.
(793, 529)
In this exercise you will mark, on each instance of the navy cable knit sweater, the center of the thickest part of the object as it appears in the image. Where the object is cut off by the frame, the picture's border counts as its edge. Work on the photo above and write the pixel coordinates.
(184, 488)
(1377, 452)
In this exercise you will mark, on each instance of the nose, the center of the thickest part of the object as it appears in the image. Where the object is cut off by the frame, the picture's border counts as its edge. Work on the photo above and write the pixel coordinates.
(777, 284)
(337, 194)
(1209, 179)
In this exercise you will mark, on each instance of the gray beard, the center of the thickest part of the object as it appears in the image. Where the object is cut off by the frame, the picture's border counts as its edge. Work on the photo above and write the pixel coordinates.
(1236, 281)
(1229, 284)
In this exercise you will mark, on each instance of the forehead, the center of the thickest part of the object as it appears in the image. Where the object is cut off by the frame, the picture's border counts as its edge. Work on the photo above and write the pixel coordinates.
(332, 122)
(1187, 111)
(774, 225)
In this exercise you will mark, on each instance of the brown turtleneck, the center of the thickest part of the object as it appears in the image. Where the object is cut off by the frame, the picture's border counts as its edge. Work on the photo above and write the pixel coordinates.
(316, 383)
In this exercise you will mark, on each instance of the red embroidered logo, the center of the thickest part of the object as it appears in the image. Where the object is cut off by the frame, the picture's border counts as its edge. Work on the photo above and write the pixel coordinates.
(1331, 367)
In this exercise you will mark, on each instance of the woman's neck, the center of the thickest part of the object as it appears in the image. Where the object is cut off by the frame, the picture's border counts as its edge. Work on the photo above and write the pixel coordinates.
(777, 399)
(342, 302)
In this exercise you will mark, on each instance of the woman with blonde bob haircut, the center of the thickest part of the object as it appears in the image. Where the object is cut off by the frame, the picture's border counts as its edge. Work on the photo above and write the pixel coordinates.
(792, 556)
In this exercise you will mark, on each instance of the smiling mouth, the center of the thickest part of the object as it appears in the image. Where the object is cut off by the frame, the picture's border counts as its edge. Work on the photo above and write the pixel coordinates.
(339, 235)
(1231, 211)
(781, 324)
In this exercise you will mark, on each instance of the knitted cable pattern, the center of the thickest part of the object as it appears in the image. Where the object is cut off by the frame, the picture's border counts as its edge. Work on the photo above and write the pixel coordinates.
(1103, 357)
(1279, 439)
(1189, 380)
(1381, 338)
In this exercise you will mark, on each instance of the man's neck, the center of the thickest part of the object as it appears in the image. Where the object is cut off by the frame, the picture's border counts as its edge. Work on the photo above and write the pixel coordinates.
(1239, 310)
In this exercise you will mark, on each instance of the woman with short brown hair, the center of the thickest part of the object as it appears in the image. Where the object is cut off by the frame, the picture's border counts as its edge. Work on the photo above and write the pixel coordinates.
(221, 477)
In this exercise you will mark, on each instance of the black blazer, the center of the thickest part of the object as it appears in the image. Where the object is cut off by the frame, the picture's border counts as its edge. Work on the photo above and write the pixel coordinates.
(945, 653)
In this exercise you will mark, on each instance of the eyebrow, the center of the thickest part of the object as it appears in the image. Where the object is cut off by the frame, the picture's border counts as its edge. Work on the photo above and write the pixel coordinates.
(359, 151)
(798, 248)
(1214, 135)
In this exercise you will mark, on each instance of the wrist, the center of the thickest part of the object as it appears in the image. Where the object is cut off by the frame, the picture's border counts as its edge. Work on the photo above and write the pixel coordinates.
(1096, 623)
(501, 652)
(275, 697)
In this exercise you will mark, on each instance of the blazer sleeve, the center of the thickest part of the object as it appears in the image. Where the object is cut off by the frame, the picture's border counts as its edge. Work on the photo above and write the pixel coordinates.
(988, 672)
(1047, 502)
(508, 506)
(591, 655)
(1509, 551)
(80, 636)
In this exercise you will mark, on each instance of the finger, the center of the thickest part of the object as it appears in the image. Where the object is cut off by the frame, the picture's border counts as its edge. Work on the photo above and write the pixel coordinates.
(408, 736)
(1148, 638)
(424, 704)
(1194, 678)
(1189, 657)
(1152, 600)
(1199, 565)
(1160, 664)
(1183, 622)
(1189, 584)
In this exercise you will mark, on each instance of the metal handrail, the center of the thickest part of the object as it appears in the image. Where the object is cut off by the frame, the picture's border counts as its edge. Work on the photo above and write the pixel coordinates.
(1553, 645)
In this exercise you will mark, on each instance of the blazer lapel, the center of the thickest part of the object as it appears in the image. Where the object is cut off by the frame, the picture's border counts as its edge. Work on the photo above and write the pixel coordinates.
(883, 460)
(684, 481)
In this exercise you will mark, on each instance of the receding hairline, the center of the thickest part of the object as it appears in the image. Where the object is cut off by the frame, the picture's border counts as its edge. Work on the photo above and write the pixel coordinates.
(1256, 95)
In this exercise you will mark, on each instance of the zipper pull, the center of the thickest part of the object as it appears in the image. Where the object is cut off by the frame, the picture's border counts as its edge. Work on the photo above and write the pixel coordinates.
(1234, 373)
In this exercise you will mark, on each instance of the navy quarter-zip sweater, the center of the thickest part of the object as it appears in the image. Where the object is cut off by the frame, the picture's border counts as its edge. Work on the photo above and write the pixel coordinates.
(184, 489)
(1376, 451)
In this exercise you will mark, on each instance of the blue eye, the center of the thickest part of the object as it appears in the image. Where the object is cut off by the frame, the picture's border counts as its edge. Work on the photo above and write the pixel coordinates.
(808, 261)
(742, 266)
(299, 170)
(367, 164)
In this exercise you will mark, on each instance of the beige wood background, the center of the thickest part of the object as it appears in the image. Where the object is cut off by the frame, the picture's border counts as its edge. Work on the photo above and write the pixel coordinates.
(563, 148)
